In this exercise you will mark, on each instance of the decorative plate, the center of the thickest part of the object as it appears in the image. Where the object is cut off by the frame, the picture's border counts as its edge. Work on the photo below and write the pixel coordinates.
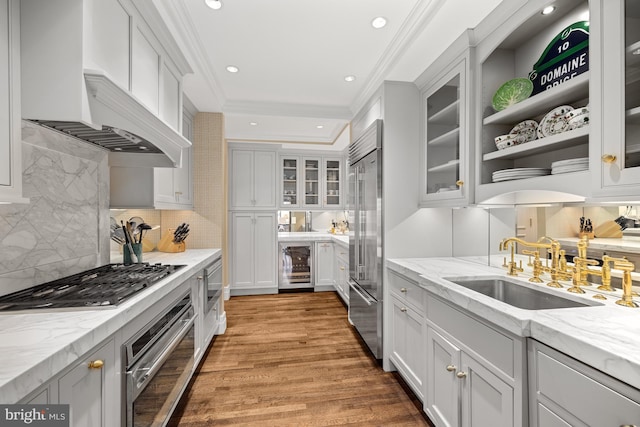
(511, 93)
(527, 128)
(554, 122)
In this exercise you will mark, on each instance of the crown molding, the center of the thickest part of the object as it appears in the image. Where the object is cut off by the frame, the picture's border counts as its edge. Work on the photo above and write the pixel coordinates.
(422, 13)
(284, 109)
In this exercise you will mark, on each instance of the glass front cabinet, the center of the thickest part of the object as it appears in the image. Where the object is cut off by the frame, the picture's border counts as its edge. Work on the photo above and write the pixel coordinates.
(333, 182)
(446, 148)
(311, 182)
(618, 160)
(289, 182)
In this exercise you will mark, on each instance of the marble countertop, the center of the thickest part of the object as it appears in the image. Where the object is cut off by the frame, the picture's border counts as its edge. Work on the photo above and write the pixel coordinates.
(36, 346)
(605, 336)
(621, 245)
(313, 236)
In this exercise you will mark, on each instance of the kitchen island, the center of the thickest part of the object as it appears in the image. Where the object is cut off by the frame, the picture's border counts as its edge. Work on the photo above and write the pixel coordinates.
(39, 344)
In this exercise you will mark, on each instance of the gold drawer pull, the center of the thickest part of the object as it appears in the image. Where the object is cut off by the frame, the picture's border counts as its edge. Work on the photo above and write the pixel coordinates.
(459, 183)
(403, 309)
(461, 374)
(403, 290)
(609, 158)
(96, 364)
(451, 368)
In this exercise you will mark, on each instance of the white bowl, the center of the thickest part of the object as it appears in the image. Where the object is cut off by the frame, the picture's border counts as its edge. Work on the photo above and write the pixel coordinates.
(509, 140)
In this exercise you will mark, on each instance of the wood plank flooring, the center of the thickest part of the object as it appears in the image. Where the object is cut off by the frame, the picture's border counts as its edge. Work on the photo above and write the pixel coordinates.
(293, 360)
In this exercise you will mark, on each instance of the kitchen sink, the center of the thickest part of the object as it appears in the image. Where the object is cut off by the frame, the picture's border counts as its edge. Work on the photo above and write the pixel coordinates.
(516, 294)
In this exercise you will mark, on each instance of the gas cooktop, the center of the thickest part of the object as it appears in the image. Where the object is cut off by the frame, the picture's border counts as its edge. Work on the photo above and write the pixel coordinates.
(105, 286)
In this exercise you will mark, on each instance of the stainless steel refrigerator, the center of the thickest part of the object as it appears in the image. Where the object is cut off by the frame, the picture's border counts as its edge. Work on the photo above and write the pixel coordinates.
(365, 237)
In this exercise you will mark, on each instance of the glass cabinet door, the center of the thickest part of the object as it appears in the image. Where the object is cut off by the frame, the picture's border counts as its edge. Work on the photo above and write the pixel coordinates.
(442, 130)
(333, 181)
(311, 169)
(632, 84)
(289, 196)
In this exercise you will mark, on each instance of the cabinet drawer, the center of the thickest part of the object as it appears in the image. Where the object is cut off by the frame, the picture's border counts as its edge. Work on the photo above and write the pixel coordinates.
(491, 344)
(566, 383)
(406, 291)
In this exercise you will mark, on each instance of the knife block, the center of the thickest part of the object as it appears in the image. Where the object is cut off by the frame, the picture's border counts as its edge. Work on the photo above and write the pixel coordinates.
(167, 244)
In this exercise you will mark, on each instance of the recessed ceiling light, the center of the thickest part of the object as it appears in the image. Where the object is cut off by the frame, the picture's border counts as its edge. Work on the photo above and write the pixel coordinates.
(349, 78)
(253, 123)
(232, 69)
(547, 10)
(320, 126)
(379, 22)
(213, 4)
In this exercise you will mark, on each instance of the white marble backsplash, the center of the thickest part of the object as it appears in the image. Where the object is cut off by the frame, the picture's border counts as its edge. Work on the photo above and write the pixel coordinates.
(64, 229)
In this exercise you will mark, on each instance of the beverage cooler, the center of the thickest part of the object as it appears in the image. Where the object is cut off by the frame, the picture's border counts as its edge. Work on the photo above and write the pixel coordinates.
(295, 262)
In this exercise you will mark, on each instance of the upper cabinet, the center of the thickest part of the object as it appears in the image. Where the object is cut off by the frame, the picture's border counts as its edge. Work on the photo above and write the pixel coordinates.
(446, 146)
(10, 129)
(311, 181)
(120, 69)
(253, 178)
(555, 51)
(616, 159)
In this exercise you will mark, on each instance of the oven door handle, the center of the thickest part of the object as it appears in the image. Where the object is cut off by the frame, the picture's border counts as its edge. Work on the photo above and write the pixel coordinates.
(138, 387)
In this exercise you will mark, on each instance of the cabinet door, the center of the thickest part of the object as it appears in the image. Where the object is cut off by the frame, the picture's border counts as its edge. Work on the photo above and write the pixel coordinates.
(443, 395)
(91, 392)
(264, 179)
(183, 179)
(265, 244)
(289, 182)
(311, 180)
(242, 261)
(407, 348)
(170, 94)
(445, 166)
(324, 264)
(487, 401)
(241, 179)
(10, 131)
(620, 161)
(145, 71)
(332, 187)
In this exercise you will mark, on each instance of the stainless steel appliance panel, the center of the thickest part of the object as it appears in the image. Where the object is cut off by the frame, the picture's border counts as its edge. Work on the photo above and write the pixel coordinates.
(365, 239)
(212, 284)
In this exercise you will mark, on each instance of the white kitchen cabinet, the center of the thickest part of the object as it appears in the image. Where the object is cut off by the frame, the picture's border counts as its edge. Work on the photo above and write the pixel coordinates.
(616, 159)
(342, 272)
(173, 187)
(325, 274)
(559, 386)
(508, 49)
(253, 253)
(333, 182)
(89, 389)
(289, 182)
(408, 330)
(446, 148)
(253, 179)
(477, 365)
(10, 127)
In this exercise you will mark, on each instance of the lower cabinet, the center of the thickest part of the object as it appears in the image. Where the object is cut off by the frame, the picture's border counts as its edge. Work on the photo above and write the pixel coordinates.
(565, 392)
(253, 253)
(408, 332)
(342, 272)
(325, 276)
(476, 372)
(89, 387)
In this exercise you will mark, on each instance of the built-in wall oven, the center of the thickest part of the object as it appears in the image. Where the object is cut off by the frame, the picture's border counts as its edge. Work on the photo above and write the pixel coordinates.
(159, 361)
(295, 266)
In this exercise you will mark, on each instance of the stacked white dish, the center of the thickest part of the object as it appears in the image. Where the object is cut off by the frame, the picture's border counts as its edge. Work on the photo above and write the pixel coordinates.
(518, 173)
(570, 165)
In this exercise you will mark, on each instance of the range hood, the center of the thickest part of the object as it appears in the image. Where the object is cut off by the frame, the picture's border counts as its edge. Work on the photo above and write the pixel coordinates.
(118, 122)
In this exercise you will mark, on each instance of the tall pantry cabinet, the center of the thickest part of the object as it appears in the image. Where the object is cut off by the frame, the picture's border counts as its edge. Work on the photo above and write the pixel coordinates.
(253, 224)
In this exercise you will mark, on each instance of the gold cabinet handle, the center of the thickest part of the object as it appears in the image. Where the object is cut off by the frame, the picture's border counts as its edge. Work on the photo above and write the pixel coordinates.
(609, 158)
(459, 183)
(342, 268)
(451, 368)
(403, 290)
(96, 364)
(403, 309)
(461, 374)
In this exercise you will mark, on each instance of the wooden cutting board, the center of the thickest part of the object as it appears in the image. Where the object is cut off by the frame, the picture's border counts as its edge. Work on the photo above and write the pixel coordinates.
(608, 229)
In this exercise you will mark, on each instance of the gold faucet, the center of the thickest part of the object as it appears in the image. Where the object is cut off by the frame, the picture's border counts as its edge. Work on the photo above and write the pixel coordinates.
(580, 270)
(605, 274)
(627, 267)
(558, 268)
(538, 268)
(537, 265)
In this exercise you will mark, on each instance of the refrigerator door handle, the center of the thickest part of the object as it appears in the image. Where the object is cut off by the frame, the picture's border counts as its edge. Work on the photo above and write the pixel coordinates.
(357, 289)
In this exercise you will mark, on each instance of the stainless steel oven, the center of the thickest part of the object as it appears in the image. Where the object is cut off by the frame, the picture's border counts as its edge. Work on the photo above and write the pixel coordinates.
(159, 361)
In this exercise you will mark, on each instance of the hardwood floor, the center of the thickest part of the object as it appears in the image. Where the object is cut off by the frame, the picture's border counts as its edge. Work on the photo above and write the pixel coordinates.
(293, 360)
